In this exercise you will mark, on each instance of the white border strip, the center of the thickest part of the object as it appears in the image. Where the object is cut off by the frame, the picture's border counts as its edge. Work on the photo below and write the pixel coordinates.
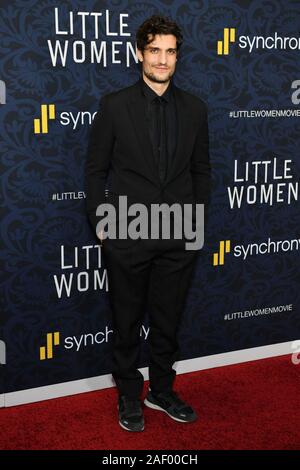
(105, 381)
(235, 357)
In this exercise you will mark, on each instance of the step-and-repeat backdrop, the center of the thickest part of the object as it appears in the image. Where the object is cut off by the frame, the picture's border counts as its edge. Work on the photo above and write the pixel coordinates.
(57, 59)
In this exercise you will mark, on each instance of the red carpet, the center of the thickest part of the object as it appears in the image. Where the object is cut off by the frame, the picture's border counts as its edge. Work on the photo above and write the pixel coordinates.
(254, 405)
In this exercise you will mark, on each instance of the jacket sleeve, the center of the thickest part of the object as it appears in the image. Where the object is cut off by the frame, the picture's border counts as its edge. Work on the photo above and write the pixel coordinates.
(200, 164)
(99, 154)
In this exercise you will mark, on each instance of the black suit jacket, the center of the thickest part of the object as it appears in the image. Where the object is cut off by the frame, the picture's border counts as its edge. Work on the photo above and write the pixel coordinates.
(119, 140)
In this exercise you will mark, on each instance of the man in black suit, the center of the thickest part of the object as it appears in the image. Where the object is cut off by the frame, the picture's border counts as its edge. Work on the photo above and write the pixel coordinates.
(153, 136)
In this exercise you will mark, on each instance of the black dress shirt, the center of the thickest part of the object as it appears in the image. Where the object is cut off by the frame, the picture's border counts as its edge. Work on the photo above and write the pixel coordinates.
(161, 115)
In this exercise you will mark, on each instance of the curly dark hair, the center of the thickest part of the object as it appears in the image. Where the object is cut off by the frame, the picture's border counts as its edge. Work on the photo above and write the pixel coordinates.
(157, 24)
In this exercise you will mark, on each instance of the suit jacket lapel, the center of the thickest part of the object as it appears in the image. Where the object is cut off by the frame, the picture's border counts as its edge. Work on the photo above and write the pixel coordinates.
(182, 125)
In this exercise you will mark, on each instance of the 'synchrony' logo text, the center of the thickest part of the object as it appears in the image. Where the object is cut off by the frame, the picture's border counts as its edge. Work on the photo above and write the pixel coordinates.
(253, 43)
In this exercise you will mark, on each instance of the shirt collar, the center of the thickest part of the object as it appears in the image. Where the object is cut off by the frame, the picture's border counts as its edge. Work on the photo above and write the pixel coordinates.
(151, 95)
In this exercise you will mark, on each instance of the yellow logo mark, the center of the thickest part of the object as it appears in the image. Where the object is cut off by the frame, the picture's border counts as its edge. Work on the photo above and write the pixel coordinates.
(47, 112)
(52, 340)
(223, 46)
(218, 258)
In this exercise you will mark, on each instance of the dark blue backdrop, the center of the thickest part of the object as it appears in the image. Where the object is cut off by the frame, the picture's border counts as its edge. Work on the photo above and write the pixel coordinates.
(43, 179)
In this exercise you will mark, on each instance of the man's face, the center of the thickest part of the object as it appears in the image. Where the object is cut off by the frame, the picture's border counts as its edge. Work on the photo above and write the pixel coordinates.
(159, 58)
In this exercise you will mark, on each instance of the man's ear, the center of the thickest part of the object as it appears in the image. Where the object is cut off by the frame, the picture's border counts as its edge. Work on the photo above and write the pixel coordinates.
(139, 54)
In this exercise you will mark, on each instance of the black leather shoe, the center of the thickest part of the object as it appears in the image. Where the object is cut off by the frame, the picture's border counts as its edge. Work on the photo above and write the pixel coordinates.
(131, 415)
(170, 403)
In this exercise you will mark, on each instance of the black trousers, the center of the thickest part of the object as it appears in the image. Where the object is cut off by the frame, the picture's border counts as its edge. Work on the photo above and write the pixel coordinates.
(158, 271)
